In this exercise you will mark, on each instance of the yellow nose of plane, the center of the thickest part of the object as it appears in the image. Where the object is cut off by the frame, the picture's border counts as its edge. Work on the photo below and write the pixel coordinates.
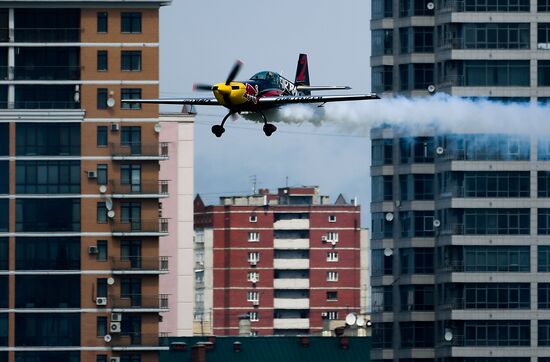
(231, 94)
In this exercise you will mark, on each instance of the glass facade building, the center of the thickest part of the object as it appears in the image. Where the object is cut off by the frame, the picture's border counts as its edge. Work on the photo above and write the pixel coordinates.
(460, 221)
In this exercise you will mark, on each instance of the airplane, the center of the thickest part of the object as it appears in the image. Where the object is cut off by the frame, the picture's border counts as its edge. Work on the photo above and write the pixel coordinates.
(263, 92)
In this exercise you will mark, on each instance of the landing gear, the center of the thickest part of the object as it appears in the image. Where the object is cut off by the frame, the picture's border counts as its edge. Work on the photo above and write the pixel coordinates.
(268, 127)
(218, 129)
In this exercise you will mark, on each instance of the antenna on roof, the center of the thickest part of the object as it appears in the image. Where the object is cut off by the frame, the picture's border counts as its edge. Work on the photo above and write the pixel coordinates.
(254, 180)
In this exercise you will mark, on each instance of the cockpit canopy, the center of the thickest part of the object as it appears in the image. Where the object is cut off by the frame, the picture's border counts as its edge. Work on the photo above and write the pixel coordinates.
(265, 75)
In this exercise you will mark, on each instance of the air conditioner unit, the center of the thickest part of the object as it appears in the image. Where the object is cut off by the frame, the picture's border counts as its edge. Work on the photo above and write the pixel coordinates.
(254, 280)
(101, 301)
(116, 317)
(92, 174)
(114, 359)
(115, 327)
(333, 242)
(115, 127)
(255, 302)
(253, 262)
(324, 314)
(92, 249)
(324, 238)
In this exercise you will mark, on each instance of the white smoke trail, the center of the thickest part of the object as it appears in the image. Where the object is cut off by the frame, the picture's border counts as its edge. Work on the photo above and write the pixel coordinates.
(443, 112)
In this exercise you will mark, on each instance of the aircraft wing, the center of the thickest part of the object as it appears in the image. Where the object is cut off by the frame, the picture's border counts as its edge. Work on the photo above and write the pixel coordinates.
(315, 99)
(190, 101)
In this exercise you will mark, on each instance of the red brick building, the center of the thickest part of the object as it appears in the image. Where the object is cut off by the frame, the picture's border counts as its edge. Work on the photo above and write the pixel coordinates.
(287, 260)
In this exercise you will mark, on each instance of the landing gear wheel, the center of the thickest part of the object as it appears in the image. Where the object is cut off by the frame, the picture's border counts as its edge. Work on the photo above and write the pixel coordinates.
(218, 130)
(269, 129)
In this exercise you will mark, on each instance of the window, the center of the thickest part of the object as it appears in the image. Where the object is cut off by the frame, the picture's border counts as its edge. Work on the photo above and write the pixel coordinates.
(382, 335)
(414, 8)
(382, 264)
(543, 6)
(47, 139)
(417, 224)
(253, 236)
(416, 39)
(497, 333)
(101, 358)
(332, 218)
(543, 73)
(130, 93)
(253, 296)
(254, 316)
(382, 78)
(47, 177)
(102, 98)
(494, 184)
(130, 60)
(102, 253)
(381, 227)
(253, 277)
(332, 276)
(496, 73)
(102, 178)
(496, 36)
(101, 291)
(331, 315)
(130, 213)
(496, 221)
(381, 9)
(423, 75)
(416, 297)
(416, 260)
(41, 253)
(36, 214)
(496, 259)
(101, 213)
(332, 256)
(382, 42)
(62, 291)
(332, 296)
(543, 259)
(102, 326)
(48, 329)
(130, 174)
(417, 334)
(332, 236)
(254, 257)
(101, 136)
(382, 152)
(102, 61)
(382, 299)
(102, 18)
(253, 218)
(543, 295)
(130, 22)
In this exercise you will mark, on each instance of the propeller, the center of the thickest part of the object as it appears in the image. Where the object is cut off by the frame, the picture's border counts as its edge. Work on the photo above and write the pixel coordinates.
(234, 72)
(202, 87)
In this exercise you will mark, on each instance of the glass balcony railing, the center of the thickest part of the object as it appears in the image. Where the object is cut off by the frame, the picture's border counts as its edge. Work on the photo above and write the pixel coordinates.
(145, 263)
(139, 149)
(156, 226)
(144, 187)
(152, 301)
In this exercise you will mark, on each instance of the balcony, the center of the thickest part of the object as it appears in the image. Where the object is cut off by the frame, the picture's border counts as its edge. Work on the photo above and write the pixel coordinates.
(291, 303)
(154, 189)
(125, 341)
(49, 35)
(139, 151)
(140, 263)
(291, 263)
(21, 104)
(155, 227)
(291, 224)
(38, 72)
(291, 283)
(452, 81)
(452, 229)
(291, 323)
(139, 301)
(291, 244)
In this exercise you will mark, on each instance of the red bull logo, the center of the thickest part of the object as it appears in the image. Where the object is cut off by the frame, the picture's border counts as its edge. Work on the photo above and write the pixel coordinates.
(251, 93)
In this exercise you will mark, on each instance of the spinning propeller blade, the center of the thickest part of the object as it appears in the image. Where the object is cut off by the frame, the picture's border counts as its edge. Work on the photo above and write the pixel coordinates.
(234, 72)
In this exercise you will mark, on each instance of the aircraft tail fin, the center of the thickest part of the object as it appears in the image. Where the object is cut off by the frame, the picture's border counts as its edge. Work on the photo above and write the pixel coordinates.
(302, 73)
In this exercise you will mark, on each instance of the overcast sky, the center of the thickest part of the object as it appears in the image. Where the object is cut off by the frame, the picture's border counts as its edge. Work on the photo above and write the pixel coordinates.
(200, 41)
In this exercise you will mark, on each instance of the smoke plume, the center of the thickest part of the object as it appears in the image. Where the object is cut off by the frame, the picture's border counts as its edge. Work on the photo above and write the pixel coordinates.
(442, 112)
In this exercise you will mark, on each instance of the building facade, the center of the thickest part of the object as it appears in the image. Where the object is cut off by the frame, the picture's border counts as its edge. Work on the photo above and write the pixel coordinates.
(459, 220)
(287, 261)
(79, 203)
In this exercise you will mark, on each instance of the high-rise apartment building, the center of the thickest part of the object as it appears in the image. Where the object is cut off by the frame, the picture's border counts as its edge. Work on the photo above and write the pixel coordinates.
(286, 261)
(80, 188)
(460, 220)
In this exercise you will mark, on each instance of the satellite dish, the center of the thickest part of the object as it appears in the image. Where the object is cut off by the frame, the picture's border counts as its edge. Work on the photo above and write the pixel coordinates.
(110, 102)
(437, 223)
(102, 189)
(111, 281)
(157, 127)
(431, 87)
(111, 214)
(109, 205)
(389, 216)
(360, 321)
(369, 323)
(107, 338)
(388, 252)
(350, 319)
(430, 5)
(439, 150)
(448, 335)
